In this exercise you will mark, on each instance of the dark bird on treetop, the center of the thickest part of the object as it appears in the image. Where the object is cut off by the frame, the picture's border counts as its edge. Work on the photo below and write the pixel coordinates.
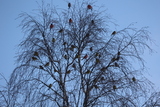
(69, 5)
(89, 7)
(114, 32)
(51, 26)
(70, 20)
(85, 57)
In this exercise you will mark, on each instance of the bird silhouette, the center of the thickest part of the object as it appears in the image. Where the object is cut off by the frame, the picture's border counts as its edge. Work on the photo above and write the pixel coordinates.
(69, 5)
(85, 57)
(51, 26)
(114, 32)
(89, 7)
(70, 21)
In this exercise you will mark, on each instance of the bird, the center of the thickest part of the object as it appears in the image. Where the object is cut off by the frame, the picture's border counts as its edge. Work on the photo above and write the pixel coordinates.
(89, 7)
(49, 86)
(61, 30)
(90, 48)
(114, 32)
(70, 21)
(69, 5)
(118, 53)
(88, 72)
(47, 64)
(40, 67)
(95, 86)
(92, 21)
(34, 58)
(64, 43)
(102, 78)
(74, 66)
(55, 70)
(97, 60)
(69, 71)
(77, 56)
(114, 87)
(116, 64)
(85, 57)
(53, 39)
(51, 26)
(87, 35)
(35, 53)
(133, 79)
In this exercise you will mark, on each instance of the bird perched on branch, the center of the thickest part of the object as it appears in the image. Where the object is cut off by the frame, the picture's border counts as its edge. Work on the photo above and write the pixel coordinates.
(90, 48)
(85, 57)
(47, 64)
(68, 72)
(92, 21)
(49, 86)
(114, 87)
(61, 30)
(69, 5)
(36, 54)
(40, 67)
(70, 21)
(89, 7)
(53, 39)
(34, 58)
(88, 72)
(114, 32)
(51, 26)
(133, 79)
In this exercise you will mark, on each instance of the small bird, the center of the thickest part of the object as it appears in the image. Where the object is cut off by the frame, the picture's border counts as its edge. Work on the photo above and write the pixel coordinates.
(64, 43)
(92, 21)
(88, 72)
(53, 39)
(61, 30)
(55, 70)
(65, 56)
(90, 48)
(34, 58)
(77, 56)
(114, 32)
(97, 60)
(85, 57)
(95, 86)
(36, 54)
(133, 79)
(40, 67)
(74, 66)
(87, 35)
(69, 5)
(73, 46)
(49, 86)
(47, 64)
(68, 72)
(70, 21)
(116, 64)
(118, 53)
(51, 26)
(89, 7)
(114, 87)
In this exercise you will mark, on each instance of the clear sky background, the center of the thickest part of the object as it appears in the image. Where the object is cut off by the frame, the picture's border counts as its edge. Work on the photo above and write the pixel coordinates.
(144, 12)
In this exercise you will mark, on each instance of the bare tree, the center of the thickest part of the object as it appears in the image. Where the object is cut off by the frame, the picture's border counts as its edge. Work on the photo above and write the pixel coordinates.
(70, 58)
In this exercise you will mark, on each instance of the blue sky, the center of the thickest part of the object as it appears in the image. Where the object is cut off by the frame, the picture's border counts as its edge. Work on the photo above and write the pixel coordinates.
(144, 12)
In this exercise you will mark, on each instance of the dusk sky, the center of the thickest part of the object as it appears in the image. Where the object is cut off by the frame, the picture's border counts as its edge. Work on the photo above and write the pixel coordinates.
(124, 12)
